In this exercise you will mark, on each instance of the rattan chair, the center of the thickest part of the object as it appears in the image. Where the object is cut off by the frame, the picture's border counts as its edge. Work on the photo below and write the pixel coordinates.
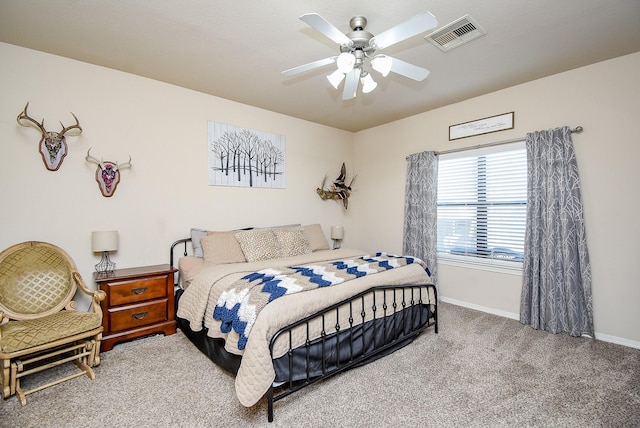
(39, 326)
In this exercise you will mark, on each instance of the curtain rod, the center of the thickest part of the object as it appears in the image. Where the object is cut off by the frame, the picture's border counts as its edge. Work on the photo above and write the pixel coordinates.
(577, 130)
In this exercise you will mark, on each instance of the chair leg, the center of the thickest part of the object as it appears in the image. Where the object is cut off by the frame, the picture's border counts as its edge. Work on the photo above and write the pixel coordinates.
(5, 374)
(85, 368)
(96, 351)
(16, 367)
(20, 394)
(94, 346)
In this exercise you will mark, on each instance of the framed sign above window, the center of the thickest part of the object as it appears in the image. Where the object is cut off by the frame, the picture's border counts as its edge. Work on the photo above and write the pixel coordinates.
(497, 123)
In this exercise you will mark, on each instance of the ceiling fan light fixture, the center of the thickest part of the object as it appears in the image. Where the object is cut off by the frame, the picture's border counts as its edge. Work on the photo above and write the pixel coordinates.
(382, 64)
(368, 84)
(346, 61)
(336, 78)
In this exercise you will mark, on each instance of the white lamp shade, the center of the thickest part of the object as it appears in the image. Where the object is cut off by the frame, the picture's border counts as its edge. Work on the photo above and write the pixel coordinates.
(337, 232)
(382, 64)
(104, 241)
(336, 78)
(368, 84)
(346, 61)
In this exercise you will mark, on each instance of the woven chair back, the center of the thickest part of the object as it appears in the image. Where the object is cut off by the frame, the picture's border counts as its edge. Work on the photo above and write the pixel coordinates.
(35, 280)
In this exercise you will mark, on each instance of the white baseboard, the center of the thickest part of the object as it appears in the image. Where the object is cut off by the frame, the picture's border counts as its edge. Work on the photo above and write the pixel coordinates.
(505, 314)
(618, 340)
(481, 308)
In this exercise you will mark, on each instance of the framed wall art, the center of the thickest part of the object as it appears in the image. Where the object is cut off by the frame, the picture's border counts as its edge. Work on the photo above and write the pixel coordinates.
(242, 157)
(496, 123)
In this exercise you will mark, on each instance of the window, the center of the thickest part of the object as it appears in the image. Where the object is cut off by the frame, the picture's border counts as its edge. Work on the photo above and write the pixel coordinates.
(482, 204)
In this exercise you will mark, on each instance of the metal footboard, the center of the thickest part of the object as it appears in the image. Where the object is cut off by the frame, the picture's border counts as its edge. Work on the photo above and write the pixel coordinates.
(350, 333)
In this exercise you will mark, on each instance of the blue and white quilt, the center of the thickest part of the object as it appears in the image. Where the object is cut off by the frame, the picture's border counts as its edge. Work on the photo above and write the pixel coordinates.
(238, 307)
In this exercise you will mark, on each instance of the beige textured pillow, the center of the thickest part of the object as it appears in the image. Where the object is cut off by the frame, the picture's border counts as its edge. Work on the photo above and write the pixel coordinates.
(316, 238)
(189, 268)
(258, 244)
(293, 241)
(222, 247)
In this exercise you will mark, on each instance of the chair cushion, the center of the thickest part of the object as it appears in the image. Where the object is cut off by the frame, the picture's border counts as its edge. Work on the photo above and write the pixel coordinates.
(21, 335)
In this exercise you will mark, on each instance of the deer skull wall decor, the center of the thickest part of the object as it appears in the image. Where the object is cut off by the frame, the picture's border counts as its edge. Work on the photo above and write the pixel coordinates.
(107, 174)
(53, 145)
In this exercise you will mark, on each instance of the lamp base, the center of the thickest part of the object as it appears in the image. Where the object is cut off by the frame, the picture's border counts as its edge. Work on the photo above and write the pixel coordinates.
(336, 244)
(105, 265)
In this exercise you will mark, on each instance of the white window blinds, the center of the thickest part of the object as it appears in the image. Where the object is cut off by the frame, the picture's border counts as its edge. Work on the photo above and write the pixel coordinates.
(482, 203)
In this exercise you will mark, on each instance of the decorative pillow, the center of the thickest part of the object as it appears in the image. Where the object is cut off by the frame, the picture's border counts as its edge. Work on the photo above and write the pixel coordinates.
(196, 236)
(222, 247)
(258, 244)
(189, 268)
(292, 240)
(316, 237)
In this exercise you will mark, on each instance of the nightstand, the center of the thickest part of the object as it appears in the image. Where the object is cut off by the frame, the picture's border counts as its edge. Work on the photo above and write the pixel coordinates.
(140, 301)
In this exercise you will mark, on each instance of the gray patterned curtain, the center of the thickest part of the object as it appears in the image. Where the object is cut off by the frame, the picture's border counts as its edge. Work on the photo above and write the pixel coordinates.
(556, 291)
(420, 209)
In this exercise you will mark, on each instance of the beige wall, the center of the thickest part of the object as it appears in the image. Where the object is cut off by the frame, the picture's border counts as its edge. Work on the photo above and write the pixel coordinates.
(164, 129)
(603, 98)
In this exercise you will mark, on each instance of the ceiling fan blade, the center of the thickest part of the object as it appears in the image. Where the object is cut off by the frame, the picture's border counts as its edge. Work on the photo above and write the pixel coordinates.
(326, 28)
(409, 70)
(416, 25)
(351, 81)
(308, 67)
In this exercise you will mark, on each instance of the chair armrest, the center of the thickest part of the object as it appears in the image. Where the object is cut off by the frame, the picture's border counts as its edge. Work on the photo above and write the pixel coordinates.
(99, 296)
(96, 296)
(81, 284)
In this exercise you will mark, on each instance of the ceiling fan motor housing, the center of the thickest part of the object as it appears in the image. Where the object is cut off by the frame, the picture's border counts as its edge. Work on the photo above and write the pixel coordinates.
(360, 37)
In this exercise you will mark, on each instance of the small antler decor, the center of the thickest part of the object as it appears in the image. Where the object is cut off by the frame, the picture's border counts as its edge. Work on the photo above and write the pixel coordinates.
(107, 173)
(338, 190)
(53, 145)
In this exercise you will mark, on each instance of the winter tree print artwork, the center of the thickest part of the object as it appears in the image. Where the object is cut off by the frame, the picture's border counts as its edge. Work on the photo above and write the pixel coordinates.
(245, 158)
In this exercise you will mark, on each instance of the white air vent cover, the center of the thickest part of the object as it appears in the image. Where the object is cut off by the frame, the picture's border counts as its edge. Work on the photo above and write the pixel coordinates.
(457, 33)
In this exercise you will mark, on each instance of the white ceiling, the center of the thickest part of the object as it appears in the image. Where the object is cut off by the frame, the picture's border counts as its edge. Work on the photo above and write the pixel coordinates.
(237, 49)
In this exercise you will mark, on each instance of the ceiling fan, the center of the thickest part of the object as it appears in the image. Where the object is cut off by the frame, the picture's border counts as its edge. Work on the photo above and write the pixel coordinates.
(357, 52)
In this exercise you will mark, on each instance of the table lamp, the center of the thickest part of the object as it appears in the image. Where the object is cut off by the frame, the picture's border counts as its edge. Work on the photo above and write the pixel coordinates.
(104, 241)
(337, 233)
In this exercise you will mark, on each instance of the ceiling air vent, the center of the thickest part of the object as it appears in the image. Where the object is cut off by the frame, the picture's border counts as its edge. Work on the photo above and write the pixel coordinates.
(457, 33)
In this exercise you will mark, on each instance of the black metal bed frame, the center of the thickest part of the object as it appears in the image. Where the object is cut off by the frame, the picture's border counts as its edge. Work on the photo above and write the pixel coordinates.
(395, 322)
(185, 253)
(382, 340)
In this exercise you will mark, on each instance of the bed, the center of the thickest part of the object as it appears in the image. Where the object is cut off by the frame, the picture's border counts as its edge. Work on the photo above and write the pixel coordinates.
(280, 310)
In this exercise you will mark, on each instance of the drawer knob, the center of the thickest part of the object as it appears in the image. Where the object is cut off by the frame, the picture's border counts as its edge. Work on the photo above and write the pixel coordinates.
(139, 315)
(138, 290)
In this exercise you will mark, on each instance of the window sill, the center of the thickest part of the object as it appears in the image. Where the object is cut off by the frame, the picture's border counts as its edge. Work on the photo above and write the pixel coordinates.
(498, 266)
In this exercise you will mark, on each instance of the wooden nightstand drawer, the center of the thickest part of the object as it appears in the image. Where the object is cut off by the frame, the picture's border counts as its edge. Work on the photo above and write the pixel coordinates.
(137, 290)
(133, 316)
(140, 301)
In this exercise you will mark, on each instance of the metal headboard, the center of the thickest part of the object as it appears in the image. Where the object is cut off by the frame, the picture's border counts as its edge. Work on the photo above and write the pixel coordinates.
(172, 259)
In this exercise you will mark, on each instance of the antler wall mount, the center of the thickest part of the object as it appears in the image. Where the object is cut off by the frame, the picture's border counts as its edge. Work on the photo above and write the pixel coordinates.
(107, 173)
(53, 145)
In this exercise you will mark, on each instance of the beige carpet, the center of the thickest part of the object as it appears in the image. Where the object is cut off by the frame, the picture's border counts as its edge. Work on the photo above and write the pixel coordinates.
(479, 371)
